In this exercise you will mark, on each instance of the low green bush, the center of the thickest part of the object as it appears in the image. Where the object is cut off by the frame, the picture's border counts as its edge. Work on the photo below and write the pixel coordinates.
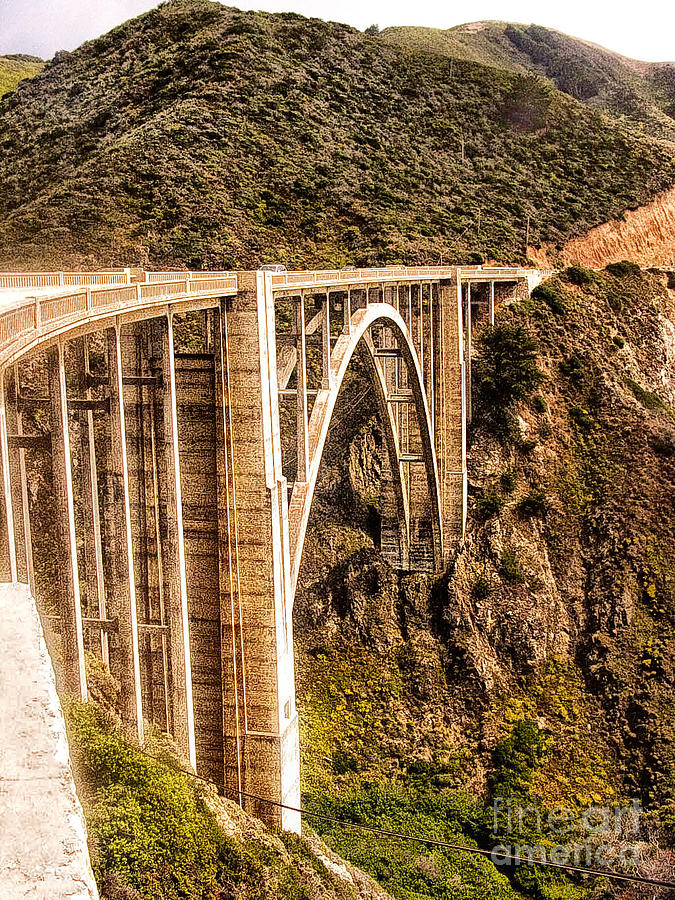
(508, 480)
(648, 399)
(480, 589)
(623, 268)
(550, 294)
(148, 823)
(578, 275)
(509, 567)
(516, 759)
(489, 504)
(582, 419)
(407, 869)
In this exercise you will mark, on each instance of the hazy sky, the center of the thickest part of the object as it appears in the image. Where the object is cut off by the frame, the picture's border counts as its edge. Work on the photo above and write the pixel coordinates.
(644, 30)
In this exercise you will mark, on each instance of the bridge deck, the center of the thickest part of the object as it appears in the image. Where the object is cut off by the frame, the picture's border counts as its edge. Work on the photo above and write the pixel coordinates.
(43, 851)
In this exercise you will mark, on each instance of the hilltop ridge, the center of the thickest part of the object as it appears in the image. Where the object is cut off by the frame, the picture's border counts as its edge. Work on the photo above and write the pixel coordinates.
(642, 91)
(202, 135)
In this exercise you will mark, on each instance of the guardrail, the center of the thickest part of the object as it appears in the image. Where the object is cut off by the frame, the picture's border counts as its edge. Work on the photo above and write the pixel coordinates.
(40, 315)
(19, 280)
(282, 280)
(151, 277)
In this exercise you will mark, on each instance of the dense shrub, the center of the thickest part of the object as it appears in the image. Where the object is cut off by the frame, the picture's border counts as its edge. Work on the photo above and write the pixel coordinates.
(526, 106)
(578, 275)
(480, 589)
(148, 823)
(153, 836)
(533, 504)
(550, 294)
(582, 419)
(508, 480)
(406, 869)
(516, 759)
(648, 399)
(509, 567)
(623, 268)
(489, 504)
(507, 373)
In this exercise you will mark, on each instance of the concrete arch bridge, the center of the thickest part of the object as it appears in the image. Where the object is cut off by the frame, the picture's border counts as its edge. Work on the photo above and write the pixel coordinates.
(161, 435)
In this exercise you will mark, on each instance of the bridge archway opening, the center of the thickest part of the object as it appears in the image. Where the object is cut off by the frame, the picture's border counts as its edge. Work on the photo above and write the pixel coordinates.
(323, 355)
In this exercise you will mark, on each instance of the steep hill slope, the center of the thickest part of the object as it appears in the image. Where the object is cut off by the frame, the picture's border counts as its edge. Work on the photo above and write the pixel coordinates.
(15, 68)
(204, 135)
(645, 92)
(155, 833)
(542, 666)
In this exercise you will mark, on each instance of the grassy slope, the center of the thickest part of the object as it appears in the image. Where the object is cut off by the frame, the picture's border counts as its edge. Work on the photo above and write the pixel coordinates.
(557, 616)
(644, 92)
(206, 135)
(157, 834)
(15, 68)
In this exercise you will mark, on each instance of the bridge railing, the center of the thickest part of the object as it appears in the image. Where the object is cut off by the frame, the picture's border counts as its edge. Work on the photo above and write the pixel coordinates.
(113, 290)
(281, 280)
(19, 280)
(177, 274)
(37, 315)
(509, 272)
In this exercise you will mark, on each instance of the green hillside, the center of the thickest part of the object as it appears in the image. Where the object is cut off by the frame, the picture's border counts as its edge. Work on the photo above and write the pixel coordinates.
(645, 92)
(15, 68)
(206, 135)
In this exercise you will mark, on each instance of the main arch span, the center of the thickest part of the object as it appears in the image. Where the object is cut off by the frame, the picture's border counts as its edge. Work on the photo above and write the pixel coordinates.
(161, 436)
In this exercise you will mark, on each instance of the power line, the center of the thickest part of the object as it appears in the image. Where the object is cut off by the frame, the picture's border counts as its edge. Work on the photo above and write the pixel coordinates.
(420, 839)
(514, 857)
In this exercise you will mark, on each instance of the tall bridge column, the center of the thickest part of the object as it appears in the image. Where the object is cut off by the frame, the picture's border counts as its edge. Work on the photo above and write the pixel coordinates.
(450, 420)
(261, 725)
(75, 678)
(122, 577)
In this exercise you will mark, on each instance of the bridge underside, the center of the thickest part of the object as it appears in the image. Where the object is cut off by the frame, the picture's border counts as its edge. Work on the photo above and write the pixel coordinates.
(159, 465)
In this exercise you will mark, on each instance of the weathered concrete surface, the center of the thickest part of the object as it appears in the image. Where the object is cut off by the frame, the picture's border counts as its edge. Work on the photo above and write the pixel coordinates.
(43, 844)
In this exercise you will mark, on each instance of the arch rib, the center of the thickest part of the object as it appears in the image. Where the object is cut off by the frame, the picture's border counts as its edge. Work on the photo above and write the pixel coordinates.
(303, 492)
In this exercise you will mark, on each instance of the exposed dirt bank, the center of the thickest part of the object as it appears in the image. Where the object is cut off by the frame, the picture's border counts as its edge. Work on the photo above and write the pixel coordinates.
(645, 235)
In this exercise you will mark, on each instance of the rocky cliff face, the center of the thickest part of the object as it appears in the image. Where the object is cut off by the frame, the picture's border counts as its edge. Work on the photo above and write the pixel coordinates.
(558, 608)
